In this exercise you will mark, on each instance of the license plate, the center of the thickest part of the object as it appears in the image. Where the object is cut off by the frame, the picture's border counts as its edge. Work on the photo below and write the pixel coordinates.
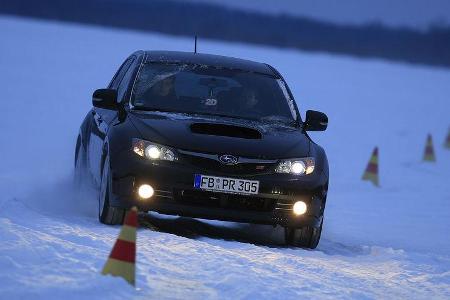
(226, 185)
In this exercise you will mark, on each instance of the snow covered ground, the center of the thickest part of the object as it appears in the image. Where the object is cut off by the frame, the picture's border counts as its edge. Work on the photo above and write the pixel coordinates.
(388, 242)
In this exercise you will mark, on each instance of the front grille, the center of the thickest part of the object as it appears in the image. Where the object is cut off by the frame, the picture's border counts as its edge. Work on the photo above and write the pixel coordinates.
(226, 201)
(211, 163)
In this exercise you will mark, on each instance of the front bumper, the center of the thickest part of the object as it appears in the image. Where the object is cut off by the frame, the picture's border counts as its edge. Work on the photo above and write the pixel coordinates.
(175, 193)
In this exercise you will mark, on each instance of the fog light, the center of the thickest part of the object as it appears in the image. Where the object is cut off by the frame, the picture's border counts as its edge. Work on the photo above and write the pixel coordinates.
(299, 208)
(145, 191)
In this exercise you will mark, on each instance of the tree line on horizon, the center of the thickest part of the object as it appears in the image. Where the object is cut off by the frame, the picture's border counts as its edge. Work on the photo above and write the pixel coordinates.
(430, 47)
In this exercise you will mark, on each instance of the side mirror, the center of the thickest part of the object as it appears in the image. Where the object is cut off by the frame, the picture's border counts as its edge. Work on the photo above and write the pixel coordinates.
(105, 98)
(315, 121)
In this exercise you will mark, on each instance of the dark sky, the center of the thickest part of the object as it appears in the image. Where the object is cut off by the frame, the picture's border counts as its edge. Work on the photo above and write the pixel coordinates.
(410, 13)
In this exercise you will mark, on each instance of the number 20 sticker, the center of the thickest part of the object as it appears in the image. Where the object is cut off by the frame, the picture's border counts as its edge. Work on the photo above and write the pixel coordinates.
(211, 102)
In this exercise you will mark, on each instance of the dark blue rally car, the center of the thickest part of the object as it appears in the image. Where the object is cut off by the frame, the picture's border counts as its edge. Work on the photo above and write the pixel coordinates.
(204, 136)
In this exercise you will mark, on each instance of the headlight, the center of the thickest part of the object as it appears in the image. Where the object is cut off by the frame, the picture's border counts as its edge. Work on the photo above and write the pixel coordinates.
(300, 166)
(153, 151)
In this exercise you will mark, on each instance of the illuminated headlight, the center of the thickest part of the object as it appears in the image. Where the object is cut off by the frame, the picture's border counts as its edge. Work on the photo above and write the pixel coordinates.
(300, 166)
(153, 151)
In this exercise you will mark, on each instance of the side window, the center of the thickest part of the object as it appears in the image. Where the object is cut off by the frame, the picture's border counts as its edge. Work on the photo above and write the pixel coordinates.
(125, 83)
(119, 74)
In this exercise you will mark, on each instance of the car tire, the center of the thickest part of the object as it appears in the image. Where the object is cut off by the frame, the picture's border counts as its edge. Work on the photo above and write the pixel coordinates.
(305, 237)
(79, 165)
(107, 214)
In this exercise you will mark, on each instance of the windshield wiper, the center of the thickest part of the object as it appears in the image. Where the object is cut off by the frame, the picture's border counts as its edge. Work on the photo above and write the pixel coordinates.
(140, 108)
(279, 119)
(225, 116)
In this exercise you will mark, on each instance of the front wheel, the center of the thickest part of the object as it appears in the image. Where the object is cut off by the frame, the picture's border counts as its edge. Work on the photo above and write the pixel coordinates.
(107, 214)
(305, 237)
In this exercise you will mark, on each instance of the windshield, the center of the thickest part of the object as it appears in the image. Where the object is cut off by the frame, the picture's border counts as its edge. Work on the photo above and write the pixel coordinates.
(199, 89)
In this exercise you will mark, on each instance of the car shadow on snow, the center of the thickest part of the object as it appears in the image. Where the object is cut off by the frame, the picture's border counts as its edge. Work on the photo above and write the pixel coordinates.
(260, 235)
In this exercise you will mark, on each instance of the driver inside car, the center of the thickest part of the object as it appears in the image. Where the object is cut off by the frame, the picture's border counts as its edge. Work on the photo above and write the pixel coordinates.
(249, 102)
(162, 92)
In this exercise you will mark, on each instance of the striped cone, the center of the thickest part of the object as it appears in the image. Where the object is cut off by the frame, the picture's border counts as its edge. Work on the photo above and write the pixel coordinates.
(371, 173)
(429, 150)
(447, 142)
(121, 261)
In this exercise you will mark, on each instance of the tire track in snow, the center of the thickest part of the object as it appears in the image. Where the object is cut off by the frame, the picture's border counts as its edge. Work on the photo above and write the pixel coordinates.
(335, 269)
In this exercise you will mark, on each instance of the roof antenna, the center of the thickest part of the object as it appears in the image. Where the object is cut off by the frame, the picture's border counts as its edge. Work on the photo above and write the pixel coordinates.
(195, 46)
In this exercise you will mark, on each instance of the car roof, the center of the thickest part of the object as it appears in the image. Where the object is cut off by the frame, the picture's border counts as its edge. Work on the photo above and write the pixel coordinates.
(209, 60)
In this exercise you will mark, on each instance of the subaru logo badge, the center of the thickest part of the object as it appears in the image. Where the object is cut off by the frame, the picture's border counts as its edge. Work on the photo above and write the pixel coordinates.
(228, 159)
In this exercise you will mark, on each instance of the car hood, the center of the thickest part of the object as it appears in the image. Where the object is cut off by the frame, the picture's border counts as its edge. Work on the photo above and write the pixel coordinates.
(221, 135)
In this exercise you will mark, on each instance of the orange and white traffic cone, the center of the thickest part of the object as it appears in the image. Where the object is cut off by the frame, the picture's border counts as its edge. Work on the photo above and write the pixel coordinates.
(428, 155)
(121, 261)
(447, 141)
(371, 173)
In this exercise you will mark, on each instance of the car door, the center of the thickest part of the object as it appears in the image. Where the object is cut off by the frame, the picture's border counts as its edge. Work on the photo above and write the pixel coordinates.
(102, 120)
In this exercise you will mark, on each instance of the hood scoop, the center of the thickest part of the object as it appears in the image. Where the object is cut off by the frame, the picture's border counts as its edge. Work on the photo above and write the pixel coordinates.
(226, 130)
